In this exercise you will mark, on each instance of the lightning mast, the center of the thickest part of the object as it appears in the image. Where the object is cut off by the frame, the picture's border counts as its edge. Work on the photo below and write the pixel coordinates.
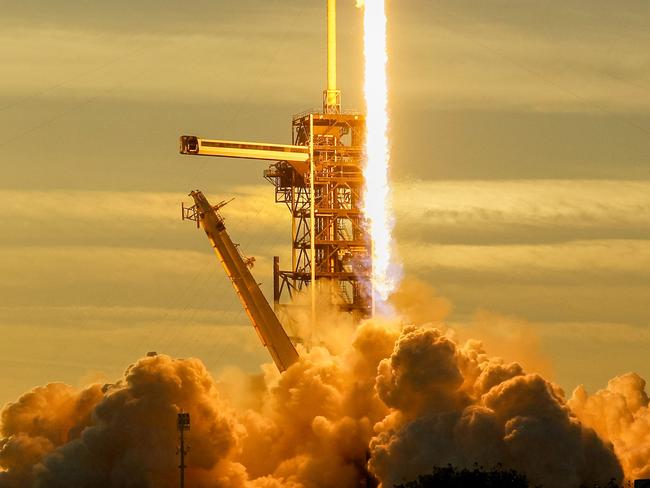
(332, 96)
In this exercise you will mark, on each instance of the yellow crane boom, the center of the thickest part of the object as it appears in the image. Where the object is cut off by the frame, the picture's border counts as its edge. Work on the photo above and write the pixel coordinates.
(268, 327)
(199, 146)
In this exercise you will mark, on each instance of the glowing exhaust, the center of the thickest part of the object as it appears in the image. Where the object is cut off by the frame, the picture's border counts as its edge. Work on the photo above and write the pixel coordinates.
(377, 205)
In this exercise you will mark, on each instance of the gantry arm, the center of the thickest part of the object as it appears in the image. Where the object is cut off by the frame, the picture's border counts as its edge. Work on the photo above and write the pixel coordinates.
(266, 323)
(248, 150)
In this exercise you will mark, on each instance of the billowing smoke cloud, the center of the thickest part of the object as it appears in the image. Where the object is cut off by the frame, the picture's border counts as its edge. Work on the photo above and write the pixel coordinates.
(451, 404)
(122, 434)
(396, 401)
(38, 423)
(620, 413)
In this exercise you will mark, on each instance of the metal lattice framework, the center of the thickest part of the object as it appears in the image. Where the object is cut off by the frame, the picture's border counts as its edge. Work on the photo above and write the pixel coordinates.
(319, 177)
(341, 248)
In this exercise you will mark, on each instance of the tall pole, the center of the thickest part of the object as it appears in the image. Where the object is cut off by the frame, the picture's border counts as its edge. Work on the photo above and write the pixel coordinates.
(183, 424)
(331, 47)
(312, 221)
(332, 94)
(181, 466)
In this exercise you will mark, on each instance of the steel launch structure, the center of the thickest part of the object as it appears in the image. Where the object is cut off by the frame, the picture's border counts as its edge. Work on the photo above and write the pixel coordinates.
(266, 323)
(319, 177)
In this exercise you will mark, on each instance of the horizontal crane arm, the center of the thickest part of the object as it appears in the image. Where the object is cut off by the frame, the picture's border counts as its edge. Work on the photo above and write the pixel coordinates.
(248, 150)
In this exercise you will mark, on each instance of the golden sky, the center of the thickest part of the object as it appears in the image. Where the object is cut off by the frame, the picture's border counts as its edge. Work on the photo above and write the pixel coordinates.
(521, 169)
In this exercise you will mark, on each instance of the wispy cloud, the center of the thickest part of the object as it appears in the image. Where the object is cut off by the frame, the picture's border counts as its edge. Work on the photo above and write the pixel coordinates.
(522, 212)
(58, 63)
(164, 208)
(451, 54)
(569, 56)
(613, 260)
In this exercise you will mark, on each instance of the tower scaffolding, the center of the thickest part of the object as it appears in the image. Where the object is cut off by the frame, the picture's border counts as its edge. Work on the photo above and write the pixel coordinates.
(319, 177)
(341, 249)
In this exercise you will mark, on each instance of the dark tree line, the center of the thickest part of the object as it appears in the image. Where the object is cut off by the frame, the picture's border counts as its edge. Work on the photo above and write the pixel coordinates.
(478, 477)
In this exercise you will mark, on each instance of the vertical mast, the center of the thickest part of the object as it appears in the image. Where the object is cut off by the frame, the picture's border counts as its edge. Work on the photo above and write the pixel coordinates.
(312, 222)
(183, 424)
(332, 96)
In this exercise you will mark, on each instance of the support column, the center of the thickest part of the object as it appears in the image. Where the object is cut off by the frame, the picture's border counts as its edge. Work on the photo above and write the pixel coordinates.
(312, 221)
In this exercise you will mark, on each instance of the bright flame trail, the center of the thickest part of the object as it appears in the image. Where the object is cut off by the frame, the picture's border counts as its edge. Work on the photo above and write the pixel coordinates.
(377, 195)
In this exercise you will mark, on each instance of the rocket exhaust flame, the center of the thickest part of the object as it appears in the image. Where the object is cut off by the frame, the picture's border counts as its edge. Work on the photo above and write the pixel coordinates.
(377, 193)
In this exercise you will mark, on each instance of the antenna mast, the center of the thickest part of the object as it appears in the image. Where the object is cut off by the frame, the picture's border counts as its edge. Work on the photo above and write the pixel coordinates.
(183, 424)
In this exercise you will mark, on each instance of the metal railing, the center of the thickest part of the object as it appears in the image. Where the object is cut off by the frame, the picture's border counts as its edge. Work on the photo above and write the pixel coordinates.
(319, 111)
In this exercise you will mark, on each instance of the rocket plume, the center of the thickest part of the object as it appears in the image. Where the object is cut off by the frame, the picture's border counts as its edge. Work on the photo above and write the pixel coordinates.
(377, 192)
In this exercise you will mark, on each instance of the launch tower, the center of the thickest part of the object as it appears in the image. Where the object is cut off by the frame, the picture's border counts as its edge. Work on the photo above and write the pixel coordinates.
(319, 177)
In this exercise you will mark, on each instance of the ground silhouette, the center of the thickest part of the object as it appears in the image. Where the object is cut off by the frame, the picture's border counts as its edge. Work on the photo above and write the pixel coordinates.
(478, 477)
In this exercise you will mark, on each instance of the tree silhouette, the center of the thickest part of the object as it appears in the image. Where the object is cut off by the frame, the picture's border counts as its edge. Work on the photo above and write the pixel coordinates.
(478, 477)
(451, 477)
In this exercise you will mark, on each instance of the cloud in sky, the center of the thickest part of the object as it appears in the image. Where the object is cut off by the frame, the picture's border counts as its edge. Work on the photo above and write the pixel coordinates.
(465, 56)
(522, 212)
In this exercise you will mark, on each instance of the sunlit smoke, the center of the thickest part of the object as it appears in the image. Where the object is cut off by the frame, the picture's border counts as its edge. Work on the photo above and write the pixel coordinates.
(377, 193)
(394, 402)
